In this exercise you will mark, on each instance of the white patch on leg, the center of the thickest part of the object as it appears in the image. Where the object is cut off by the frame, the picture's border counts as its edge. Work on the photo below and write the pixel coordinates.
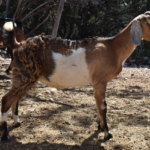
(15, 118)
(4, 117)
(103, 107)
(70, 71)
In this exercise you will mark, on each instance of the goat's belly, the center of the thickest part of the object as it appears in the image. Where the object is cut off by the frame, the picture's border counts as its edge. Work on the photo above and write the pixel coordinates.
(69, 79)
(70, 71)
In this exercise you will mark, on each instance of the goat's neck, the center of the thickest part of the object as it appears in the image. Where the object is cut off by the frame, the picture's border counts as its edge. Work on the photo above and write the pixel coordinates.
(123, 44)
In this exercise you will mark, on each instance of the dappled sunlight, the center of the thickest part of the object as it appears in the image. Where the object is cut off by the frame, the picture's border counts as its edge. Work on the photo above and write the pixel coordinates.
(66, 119)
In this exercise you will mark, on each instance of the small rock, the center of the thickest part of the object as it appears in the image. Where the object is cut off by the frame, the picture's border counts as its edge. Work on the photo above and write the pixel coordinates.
(47, 91)
(51, 99)
(39, 94)
(67, 132)
(53, 90)
(31, 109)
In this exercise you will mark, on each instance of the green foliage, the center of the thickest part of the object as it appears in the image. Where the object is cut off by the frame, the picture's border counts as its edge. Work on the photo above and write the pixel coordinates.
(143, 50)
(98, 18)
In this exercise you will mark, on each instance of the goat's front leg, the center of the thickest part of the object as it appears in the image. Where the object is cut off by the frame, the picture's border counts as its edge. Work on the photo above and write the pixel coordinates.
(102, 110)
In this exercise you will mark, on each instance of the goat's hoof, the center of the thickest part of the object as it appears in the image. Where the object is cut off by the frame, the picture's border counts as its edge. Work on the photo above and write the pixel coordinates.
(5, 138)
(18, 124)
(99, 127)
(7, 71)
(108, 137)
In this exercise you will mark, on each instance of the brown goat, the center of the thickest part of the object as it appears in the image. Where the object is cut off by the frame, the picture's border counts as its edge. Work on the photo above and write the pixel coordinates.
(19, 36)
(65, 63)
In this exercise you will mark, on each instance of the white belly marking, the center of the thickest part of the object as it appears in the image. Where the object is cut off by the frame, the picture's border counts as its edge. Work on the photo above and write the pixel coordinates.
(70, 71)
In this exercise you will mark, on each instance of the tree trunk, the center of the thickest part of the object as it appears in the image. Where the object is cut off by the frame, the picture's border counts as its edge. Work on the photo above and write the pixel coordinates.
(6, 12)
(58, 16)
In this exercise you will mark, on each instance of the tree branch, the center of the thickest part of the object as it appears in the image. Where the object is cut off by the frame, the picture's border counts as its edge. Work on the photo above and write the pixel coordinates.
(17, 9)
(26, 1)
(6, 12)
(41, 23)
(27, 5)
(58, 16)
(27, 16)
(45, 8)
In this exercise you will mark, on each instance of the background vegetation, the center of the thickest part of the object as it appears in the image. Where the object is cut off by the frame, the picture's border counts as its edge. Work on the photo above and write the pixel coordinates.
(80, 18)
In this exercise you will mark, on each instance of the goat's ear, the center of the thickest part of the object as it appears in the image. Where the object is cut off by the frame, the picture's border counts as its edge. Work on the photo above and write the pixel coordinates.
(136, 32)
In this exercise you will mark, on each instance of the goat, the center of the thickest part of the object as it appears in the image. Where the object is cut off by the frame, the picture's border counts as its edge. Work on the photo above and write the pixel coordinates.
(19, 36)
(63, 63)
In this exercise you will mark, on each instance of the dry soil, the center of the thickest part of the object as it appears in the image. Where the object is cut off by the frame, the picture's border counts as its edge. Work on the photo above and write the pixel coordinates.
(66, 119)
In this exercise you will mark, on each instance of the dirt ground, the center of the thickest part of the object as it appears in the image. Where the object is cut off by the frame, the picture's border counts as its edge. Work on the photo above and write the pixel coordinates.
(66, 119)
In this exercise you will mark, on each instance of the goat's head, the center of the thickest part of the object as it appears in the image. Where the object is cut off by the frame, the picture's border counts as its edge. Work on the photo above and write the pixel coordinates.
(9, 27)
(140, 28)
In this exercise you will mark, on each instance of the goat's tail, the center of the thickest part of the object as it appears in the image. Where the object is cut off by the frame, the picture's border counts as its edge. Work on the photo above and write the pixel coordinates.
(9, 34)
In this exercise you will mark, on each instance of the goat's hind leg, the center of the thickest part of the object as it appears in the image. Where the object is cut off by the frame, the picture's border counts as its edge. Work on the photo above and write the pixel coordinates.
(7, 101)
(15, 117)
(9, 50)
(102, 110)
(11, 99)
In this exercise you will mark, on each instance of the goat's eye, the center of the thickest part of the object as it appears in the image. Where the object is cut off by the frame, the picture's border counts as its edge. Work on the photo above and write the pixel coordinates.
(145, 22)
